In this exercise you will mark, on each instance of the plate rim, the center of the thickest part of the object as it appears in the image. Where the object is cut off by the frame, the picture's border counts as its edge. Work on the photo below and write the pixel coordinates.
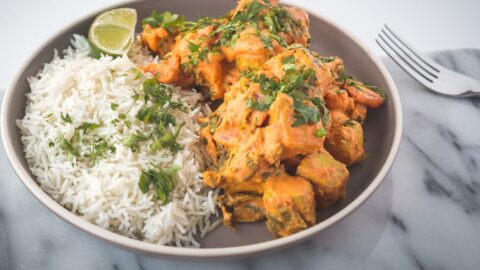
(187, 252)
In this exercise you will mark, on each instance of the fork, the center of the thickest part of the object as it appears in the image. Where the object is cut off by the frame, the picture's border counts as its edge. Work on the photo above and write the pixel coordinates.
(434, 76)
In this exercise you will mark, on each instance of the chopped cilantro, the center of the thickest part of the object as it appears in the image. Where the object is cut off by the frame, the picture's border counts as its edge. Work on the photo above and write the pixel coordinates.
(86, 127)
(289, 67)
(326, 59)
(98, 150)
(66, 146)
(163, 181)
(168, 140)
(320, 133)
(355, 84)
(214, 122)
(304, 114)
(295, 83)
(377, 90)
(267, 41)
(156, 111)
(260, 104)
(349, 123)
(66, 118)
(137, 74)
(322, 109)
(114, 106)
(197, 53)
(132, 140)
(204, 125)
(167, 20)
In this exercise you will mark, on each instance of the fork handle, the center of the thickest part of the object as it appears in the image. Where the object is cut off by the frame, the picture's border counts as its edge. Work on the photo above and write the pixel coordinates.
(473, 92)
(470, 94)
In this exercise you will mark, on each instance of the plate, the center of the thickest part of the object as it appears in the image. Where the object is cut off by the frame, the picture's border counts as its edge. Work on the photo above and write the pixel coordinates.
(383, 130)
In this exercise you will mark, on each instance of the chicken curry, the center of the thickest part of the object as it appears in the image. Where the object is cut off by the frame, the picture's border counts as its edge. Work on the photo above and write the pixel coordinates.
(288, 121)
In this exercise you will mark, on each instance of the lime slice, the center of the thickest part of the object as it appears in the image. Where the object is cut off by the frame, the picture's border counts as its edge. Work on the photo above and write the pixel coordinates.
(112, 32)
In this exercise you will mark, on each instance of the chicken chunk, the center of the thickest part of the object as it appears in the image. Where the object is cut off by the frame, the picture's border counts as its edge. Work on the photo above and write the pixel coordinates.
(158, 40)
(289, 204)
(358, 112)
(300, 59)
(249, 51)
(339, 100)
(345, 139)
(167, 71)
(241, 208)
(283, 140)
(327, 176)
(363, 94)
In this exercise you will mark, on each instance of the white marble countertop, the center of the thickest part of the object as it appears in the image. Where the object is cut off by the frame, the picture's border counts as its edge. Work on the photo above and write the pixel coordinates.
(426, 215)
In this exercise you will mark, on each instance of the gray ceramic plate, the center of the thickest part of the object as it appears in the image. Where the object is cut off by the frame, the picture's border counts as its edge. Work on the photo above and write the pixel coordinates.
(383, 130)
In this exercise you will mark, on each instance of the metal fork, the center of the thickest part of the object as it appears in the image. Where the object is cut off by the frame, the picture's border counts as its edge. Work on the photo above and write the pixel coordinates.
(437, 78)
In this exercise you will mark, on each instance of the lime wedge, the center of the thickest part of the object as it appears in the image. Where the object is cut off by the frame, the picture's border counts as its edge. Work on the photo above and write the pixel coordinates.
(112, 32)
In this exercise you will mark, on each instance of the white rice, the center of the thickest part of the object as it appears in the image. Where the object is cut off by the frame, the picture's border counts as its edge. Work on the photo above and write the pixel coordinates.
(107, 193)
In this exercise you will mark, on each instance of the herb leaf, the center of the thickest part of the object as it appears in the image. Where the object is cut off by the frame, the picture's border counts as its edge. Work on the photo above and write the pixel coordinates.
(66, 118)
(98, 150)
(167, 20)
(163, 181)
(349, 123)
(132, 140)
(322, 109)
(66, 146)
(260, 104)
(86, 127)
(168, 140)
(320, 133)
(156, 111)
(304, 114)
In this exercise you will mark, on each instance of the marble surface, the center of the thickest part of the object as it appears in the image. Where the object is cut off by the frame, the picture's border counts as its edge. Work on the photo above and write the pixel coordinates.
(426, 214)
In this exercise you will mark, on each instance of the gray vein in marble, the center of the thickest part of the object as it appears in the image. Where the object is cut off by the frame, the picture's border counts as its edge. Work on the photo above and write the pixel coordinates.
(468, 202)
(419, 265)
(399, 223)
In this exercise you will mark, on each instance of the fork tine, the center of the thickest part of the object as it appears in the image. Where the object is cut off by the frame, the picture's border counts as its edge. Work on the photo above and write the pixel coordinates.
(424, 67)
(406, 66)
(419, 55)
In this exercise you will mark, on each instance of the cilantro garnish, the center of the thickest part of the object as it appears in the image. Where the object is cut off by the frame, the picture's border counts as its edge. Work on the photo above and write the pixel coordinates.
(66, 118)
(167, 20)
(304, 114)
(162, 180)
(320, 133)
(349, 123)
(260, 104)
(156, 111)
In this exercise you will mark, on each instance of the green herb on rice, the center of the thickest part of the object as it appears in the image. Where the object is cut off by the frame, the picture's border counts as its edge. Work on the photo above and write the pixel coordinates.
(162, 180)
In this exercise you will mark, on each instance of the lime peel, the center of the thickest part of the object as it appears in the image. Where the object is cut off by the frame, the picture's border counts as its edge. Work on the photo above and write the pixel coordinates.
(112, 32)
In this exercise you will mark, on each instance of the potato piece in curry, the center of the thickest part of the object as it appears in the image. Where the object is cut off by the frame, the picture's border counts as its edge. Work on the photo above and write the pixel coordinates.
(289, 204)
(289, 119)
(327, 176)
